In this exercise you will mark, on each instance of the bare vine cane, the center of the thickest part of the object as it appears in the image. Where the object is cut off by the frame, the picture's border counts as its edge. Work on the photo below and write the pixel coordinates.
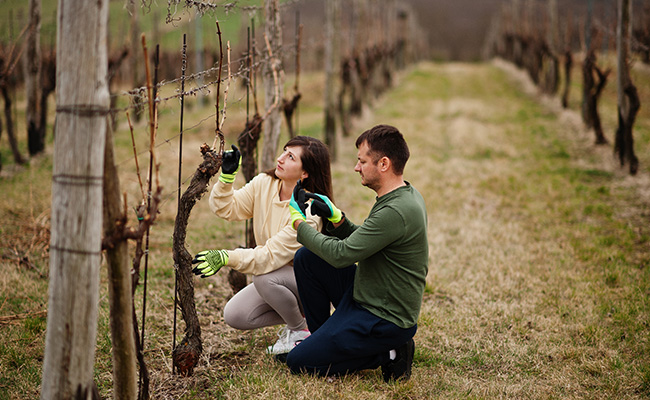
(153, 124)
(180, 164)
(145, 221)
(247, 141)
(217, 124)
(236, 279)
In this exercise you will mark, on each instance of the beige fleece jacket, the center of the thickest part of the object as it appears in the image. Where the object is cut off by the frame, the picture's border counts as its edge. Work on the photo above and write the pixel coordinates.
(276, 239)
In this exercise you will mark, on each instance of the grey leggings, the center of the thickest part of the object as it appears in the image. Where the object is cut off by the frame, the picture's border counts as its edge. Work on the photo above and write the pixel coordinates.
(272, 299)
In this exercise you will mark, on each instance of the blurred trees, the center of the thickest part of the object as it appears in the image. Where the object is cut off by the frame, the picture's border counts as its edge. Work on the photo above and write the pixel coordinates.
(524, 33)
(628, 98)
(273, 72)
(35, 132)
(332, 32)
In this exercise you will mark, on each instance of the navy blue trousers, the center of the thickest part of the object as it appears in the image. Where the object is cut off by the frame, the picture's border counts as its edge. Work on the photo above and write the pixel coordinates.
(352, 338)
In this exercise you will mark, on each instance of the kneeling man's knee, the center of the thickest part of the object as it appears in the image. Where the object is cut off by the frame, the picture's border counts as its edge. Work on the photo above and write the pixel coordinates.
(302, 256)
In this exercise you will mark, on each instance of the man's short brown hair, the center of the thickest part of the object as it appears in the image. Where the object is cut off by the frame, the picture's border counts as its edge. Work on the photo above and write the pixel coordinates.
(386, 140)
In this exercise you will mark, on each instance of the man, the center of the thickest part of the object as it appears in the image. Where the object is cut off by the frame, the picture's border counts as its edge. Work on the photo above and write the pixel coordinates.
(377, 301)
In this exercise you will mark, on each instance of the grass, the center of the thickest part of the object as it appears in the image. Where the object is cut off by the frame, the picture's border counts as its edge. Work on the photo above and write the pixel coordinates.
(538, 285)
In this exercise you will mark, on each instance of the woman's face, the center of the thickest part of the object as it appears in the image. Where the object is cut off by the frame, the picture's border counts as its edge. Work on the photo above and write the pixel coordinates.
(289, 165)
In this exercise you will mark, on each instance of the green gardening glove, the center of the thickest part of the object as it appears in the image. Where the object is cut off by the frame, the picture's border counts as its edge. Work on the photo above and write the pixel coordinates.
(230, 164)
(324, 208)
(209, 262)
(298, 204)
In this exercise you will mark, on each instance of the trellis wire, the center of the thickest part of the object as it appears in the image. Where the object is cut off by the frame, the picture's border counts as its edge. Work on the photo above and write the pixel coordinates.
(204, 6)
(137, 94)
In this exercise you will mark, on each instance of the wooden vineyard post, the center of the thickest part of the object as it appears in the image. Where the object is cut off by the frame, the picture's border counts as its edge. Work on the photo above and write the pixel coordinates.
(76, 225)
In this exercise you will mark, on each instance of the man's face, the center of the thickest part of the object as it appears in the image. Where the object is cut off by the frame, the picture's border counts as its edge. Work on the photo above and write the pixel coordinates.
(367, 168)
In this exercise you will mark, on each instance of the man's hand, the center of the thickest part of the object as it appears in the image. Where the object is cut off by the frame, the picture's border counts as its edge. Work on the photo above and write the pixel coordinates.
(230, 164)
(324, 208)
(209, 262)
(298, 204)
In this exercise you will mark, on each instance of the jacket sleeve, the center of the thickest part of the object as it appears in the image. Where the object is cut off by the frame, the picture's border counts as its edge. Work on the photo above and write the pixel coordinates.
(230, 204)
(352, 245)
(277, 252)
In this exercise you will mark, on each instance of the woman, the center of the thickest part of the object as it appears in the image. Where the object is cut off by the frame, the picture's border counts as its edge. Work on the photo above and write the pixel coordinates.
(272, 297)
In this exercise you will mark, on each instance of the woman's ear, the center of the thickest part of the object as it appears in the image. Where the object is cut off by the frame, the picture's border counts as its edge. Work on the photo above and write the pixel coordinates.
(304, 175)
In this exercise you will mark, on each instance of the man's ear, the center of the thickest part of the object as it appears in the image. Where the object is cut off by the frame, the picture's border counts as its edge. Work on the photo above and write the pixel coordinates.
(384, 164)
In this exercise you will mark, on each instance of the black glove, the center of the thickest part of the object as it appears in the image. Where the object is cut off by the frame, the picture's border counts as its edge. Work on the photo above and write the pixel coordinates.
(324, 208)
(231, 160)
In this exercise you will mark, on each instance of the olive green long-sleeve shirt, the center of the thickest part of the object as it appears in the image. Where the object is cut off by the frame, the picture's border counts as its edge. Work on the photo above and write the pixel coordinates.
(391, 251)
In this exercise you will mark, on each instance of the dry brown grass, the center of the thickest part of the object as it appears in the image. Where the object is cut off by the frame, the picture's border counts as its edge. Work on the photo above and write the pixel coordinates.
(538, 284)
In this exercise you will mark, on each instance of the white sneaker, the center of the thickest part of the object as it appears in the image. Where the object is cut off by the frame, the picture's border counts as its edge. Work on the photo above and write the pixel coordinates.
(287, 340)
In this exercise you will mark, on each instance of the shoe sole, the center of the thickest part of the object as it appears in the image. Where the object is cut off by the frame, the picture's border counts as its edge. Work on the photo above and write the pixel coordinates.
(389, 375)
(281, 358)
